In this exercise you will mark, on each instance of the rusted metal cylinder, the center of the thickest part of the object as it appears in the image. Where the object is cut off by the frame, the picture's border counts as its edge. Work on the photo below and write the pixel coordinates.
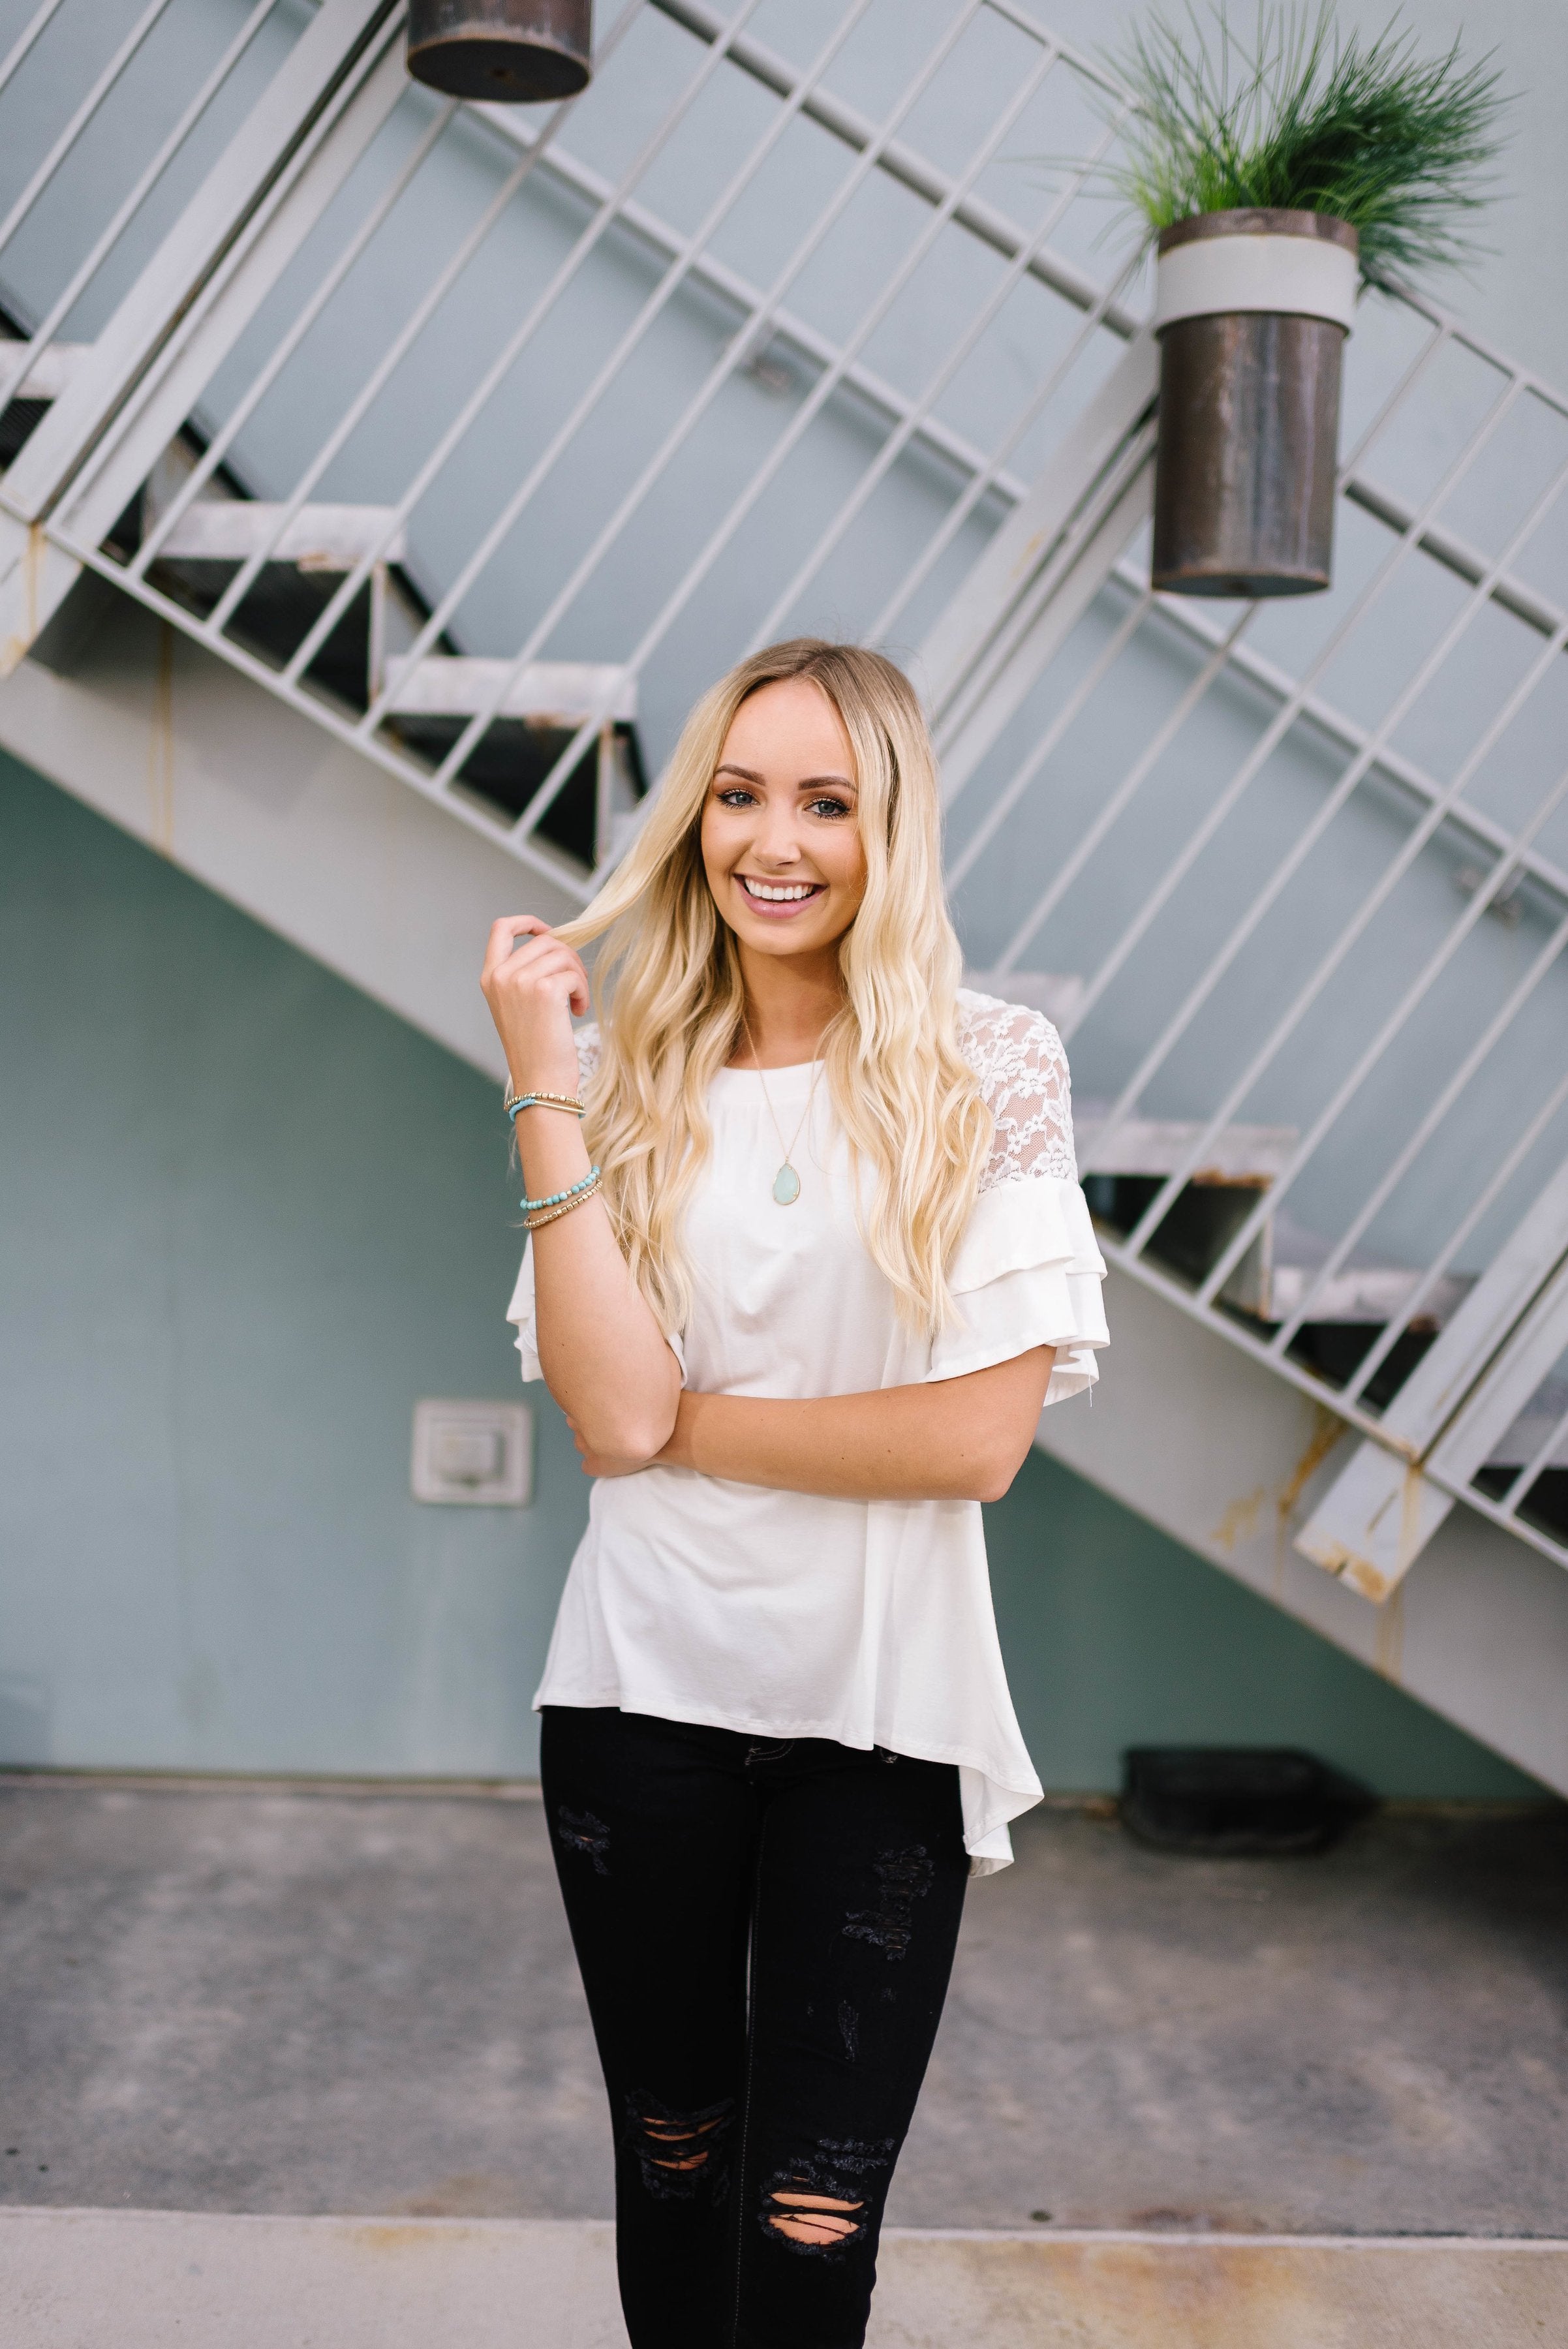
(511, 52)
(1249, 408)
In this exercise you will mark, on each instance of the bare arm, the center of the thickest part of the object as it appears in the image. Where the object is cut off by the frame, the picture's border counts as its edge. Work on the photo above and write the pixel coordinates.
(604, 1356)
(961, 1439)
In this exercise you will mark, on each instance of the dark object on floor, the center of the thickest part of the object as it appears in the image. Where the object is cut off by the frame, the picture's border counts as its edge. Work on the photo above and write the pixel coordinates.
(1235, 1802)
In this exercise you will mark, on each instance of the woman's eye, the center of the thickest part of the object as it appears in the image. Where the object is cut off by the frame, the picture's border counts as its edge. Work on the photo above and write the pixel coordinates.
(828, 807)
(738, 797)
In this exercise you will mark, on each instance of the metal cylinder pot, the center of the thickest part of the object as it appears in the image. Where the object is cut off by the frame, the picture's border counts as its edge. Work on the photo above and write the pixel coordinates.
(1252, 312)
(511, 52)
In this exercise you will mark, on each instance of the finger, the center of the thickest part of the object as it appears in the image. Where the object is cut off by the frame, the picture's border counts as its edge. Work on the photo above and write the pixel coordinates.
(504, 933)
(538, 957)
(582, 995)
(521, 968)
(545, 959)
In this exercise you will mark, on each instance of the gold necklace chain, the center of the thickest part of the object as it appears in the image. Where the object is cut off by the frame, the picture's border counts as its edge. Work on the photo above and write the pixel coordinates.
(787, 1182)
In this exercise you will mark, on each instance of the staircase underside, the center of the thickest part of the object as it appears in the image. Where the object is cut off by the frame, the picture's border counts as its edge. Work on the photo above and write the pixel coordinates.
(172, 744)
(1185, 1432)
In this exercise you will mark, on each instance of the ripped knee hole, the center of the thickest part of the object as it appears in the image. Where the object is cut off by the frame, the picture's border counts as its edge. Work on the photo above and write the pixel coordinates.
(819, 2221)
(683, 2154)
(819, 2203)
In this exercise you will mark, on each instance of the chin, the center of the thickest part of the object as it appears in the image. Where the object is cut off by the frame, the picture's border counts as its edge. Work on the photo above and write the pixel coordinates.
(790, 937)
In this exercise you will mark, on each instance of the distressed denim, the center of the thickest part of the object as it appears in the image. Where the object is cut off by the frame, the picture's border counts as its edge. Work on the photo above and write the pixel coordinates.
(765, 1931)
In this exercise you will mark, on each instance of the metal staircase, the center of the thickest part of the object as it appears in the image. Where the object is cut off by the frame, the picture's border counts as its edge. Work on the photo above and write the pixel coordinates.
(442, 453)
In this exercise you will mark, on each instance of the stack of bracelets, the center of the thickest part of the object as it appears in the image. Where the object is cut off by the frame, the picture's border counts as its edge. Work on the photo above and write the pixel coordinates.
(539, 1212)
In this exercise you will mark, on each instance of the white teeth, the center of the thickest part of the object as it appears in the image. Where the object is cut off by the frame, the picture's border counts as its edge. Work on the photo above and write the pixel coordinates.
(782, 896)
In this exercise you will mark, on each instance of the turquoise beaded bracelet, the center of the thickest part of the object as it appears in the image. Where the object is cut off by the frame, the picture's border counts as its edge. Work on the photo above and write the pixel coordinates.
(569, 1101)
(553, 1215)
(534, 1206)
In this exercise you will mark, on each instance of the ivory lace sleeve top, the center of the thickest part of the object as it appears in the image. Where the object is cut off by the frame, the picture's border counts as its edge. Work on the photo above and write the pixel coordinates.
(786, 1614)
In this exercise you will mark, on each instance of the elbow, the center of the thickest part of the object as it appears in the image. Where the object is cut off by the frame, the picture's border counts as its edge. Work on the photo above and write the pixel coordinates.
(992, 1488)
(641, 1446)
(633, 1435)
(994, 1470)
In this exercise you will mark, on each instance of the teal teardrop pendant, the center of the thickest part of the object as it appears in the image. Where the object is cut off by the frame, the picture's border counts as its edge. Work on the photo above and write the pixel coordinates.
(786, 1185)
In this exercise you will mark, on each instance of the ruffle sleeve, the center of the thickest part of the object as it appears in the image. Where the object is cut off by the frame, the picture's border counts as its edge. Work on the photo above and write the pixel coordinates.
(1027, 1273)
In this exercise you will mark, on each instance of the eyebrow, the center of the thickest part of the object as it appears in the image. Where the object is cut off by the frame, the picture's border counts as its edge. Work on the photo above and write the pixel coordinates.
(807, 784)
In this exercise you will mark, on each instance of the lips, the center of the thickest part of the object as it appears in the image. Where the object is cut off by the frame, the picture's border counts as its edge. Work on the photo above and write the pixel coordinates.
(790, 897)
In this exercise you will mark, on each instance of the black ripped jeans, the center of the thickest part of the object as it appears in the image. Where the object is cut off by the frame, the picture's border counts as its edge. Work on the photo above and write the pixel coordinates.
(765, 1931)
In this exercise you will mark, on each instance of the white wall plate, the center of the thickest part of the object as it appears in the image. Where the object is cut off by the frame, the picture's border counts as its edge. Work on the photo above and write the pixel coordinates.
(476, 1454)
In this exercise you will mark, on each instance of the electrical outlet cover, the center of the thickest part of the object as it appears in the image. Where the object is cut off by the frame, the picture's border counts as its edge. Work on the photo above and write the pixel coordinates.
(478, 1454)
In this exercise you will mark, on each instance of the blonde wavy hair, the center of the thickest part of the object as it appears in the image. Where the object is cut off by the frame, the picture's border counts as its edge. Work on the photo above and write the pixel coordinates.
(669, 988)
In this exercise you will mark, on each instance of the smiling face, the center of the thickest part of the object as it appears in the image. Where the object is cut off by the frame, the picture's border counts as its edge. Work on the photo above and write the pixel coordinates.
(781, 838)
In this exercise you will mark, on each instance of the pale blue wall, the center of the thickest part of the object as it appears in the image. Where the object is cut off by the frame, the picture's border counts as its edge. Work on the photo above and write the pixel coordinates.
(246, 1216)
(248, 1219)
(1117, 1636)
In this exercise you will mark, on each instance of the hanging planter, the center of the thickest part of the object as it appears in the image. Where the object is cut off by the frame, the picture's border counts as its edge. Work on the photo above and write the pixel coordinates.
(1252, 309)
(510, 52)
(1275, 181)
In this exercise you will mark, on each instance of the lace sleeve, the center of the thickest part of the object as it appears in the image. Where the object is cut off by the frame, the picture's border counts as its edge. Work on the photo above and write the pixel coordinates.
(1017, 1055)
(588, 1052)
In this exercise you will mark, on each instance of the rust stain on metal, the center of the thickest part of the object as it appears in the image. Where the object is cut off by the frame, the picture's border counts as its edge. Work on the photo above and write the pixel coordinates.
(1331, 1555)
(1378, 1582)
(1409, 1515)
(1359, 1574)
(15, 647)
(1239, 1521)
(1389, 1652)
(1326, 1432)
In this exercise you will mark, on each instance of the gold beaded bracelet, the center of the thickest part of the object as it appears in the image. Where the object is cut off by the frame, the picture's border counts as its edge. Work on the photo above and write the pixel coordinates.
(516, 1102)
(553, 1215)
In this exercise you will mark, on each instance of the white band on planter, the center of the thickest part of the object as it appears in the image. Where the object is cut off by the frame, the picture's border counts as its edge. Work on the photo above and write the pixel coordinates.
(1303, 276)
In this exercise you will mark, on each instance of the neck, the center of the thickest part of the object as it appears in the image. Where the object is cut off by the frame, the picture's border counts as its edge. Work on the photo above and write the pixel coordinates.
(790, 1001)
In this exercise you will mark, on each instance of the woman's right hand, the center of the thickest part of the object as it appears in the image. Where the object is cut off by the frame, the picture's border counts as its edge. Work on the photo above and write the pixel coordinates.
(533, 989)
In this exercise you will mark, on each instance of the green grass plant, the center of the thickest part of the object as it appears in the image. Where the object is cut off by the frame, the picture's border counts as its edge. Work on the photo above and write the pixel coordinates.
(1304, 118)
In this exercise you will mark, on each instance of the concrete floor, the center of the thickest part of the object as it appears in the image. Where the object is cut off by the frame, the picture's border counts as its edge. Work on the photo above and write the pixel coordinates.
(263, 2000)
(145, 2280)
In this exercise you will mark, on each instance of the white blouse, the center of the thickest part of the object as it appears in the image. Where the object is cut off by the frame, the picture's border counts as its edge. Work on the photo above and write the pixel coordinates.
(786, 1614)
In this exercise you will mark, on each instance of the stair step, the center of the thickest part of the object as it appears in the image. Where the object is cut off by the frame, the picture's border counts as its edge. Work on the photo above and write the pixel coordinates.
(47, 373)
(318, 538)
(1247, 1156)
(1370, 1293)
(1055, 993)
(549, 693)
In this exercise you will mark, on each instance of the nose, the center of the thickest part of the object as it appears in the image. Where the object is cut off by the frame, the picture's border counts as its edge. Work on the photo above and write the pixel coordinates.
(775, 841)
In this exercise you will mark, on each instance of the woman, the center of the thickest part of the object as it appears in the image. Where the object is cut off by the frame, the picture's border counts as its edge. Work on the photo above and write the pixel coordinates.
(801, 1275)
